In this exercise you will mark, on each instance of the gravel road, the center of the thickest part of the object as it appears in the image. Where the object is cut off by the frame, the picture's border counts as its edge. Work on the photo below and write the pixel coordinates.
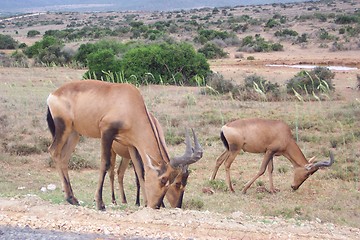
(33, 218)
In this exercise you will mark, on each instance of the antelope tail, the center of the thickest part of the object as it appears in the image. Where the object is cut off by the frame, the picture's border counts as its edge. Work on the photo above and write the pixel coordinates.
(50, 122)
(223, 139)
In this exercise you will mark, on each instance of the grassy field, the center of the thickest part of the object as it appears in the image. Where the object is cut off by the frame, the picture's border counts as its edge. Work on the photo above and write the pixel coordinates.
(330, 195)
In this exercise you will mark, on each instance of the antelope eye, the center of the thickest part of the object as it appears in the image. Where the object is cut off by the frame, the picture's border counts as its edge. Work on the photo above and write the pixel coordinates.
(163, 181)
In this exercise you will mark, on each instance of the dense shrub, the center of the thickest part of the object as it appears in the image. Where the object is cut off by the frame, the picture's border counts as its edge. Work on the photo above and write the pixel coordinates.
(218, 85)
(16, 59)
(7, 42)
(272, 23)
(302, 39)
(259, 44)
(347, 19)
(72, 34)
(88, 48)
(286, 32)
(164, 63)
(254, 88)
(265, 89)
(33, 33)
(319, 80)
(102, 62)
(208, 35)
(325, 35)
(212, 51)
(48, 51)
(161, 63)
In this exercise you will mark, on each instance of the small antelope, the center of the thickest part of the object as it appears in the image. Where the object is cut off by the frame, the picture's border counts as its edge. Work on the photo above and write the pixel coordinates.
(111, 112)
(177, 180)
(271, 137)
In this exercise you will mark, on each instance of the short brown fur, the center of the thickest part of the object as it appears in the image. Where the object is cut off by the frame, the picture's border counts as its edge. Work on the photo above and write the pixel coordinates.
(271, 137)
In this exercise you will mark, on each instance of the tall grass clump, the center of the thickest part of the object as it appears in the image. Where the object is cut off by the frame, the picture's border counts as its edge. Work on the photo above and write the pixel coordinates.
(258, 88)
(216, 84)
(316, 84)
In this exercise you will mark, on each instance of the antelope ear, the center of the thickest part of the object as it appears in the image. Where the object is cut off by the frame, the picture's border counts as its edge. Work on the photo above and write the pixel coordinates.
(150, 163)
(311, 160)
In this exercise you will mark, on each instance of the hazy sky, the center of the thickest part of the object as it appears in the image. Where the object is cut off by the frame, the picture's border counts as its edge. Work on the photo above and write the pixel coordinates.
(121, 5)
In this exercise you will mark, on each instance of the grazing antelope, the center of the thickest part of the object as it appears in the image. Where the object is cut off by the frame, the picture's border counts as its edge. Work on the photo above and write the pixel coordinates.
(271, 137)
(177, 180)
(111, 112)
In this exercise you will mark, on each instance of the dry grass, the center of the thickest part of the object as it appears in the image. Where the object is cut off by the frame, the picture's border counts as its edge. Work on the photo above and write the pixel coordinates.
(329, 195)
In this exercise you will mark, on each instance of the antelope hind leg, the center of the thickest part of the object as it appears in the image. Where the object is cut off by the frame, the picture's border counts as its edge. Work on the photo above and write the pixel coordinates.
(268, 156)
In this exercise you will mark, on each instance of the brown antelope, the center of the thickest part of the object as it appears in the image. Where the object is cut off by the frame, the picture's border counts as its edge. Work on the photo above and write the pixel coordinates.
(177, 180)
(271, 137)
(111, 112)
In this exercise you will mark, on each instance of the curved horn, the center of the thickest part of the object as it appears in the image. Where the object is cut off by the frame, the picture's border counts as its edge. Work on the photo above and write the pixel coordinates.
(191, 155)
(177, 161)
(197, 151)
(325, 163)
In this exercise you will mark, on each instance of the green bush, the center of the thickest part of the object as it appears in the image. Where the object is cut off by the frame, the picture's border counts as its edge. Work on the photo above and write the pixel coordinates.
(257, 84)
(272, 23)
(319, 80)
(212, 51)
(208, 35)
(286, 32)
(7, 42)
(88, 48)
(347, 19)
(302, 39)
(33, 33)
(165, 63)
(49, 51)
(259, 44)
(218, 85)
(102, 62)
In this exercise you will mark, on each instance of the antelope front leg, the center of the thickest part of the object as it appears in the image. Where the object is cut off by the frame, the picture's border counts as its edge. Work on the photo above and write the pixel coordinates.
(121, 172)
(107, 138)
(219, 161)
(270, 169)
(139, 170)
(112, 176)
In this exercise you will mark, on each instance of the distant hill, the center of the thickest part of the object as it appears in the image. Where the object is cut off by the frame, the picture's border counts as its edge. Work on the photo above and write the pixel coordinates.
(22, 6)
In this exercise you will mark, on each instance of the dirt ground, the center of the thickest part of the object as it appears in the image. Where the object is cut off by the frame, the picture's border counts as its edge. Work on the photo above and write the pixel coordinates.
(30, 211)
(33, 212)
(162, 224)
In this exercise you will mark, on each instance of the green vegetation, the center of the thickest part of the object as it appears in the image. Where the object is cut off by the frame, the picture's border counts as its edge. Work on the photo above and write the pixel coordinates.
(49, 51)
(212, 51)
(318, 80)
(7, 42)
(208, 35)
(163, 63)
(33, 33)
(286, 32)
(259, 44)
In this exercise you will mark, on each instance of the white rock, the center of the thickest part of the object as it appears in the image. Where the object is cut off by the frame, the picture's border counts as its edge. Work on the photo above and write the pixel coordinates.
(51, 187)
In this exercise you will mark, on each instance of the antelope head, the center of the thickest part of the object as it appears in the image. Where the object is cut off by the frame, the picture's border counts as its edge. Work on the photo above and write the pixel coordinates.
(172, 177)
(176, 188)
(302, 173)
